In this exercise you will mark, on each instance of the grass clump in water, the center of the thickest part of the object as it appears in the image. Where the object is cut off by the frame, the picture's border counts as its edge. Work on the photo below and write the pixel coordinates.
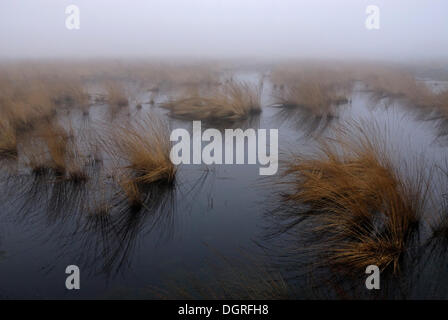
(116, 95)
(142, 152)
(52, 148)
(356, 197)
(317, 88)
(230, 102)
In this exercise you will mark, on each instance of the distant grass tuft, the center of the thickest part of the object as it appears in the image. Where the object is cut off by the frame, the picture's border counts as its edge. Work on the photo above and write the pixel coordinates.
(231, 102)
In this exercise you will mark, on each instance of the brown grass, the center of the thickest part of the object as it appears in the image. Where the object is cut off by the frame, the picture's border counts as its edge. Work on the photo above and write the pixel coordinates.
(75, 162)
(51, 147)
(356, 196)
(132, 191)
(312, 96)
(23, 101)
(231, 102)
(116, 95)
(30, 93)
(397, 83)
(70, 93)
(142, 152)
(55, 139)
(318, 88)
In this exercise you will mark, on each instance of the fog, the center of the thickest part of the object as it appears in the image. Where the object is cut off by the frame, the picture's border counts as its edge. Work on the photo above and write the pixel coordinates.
(409, 29)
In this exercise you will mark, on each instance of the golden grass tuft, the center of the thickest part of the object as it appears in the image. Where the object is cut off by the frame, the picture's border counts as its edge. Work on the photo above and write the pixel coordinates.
(52, 148)
(142, 152)
(230, 102)
(23, 102)
(357, 198)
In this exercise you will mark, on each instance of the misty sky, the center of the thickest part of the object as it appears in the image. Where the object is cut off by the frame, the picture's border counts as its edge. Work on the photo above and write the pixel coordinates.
(224, 28)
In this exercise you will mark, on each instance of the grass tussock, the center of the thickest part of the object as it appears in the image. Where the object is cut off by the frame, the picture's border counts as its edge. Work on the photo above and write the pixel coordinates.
(357, 198)
(312, 96)
(70, 93)
(23, 102)
(52, 148)
(317, 88)
(399, 84)
(142, 152)
(30, 93)
(230, 102)
(116, 95)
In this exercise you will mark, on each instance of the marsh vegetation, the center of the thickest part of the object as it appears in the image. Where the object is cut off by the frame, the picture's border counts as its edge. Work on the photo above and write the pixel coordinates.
(85, 147)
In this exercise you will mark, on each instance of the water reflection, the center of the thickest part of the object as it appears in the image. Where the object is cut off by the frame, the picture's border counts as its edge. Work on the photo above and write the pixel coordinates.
(93, 222)
(305, 120)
